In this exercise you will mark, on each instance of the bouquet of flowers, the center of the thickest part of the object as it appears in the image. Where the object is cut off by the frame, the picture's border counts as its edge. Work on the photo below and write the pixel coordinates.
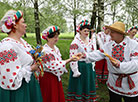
(37, 54)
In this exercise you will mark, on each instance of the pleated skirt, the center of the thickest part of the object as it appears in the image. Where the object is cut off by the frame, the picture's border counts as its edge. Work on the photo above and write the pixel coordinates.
(82, 88)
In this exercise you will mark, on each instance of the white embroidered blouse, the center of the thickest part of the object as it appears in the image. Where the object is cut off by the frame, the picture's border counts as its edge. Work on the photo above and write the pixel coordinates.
(53, 62)
(102, 39)
(127, 53)
(77, 46)
(15, 62)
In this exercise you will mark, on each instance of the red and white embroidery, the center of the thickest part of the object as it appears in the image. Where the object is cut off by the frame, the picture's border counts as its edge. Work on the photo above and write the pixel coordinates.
(73, 47)
(118, 52)
(7, 56)
(48, 58)
(134, 54)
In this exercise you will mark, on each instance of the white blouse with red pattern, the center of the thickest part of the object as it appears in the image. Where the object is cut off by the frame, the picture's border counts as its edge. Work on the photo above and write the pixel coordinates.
(15, 62)
(102, 38)
(53, 62)
(77, 46)
(127, 53)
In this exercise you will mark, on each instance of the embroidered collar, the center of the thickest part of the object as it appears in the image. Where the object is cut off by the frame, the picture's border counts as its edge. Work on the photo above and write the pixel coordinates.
(13, 40)
(123, 43)
(24, 46)
(81, 41)
(51, 50)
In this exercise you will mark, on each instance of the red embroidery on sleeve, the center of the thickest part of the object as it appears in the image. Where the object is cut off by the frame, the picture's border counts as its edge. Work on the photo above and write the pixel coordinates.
(48, 58)
(7, 56)
(74, 46)
(134, 54)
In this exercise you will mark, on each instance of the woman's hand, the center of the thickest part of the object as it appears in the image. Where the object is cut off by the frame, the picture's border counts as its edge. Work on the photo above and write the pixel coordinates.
(34, 67)
(115, 63)
(76, 57)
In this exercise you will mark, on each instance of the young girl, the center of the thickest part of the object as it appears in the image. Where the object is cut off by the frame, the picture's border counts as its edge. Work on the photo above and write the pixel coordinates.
(82, 76)
(54, 67)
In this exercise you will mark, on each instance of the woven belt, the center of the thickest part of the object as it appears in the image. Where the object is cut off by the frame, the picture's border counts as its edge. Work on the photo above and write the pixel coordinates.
(129, 79)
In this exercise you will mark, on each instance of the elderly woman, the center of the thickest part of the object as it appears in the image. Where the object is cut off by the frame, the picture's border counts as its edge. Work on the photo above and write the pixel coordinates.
(82, 76)
(54, 67)
(132, 32)
(17, 83)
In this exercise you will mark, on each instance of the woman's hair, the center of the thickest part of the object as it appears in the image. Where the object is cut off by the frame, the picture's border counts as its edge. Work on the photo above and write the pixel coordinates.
(53, 34)
(85, 26)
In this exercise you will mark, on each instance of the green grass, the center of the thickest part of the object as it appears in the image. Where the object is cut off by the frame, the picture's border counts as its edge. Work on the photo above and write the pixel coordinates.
(64, 45)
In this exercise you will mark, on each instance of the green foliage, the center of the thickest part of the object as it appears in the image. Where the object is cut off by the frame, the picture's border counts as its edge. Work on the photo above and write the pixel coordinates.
(52, 14)
(4, 8)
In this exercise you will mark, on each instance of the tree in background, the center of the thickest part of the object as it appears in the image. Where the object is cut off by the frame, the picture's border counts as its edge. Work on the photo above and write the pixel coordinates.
(75, 8)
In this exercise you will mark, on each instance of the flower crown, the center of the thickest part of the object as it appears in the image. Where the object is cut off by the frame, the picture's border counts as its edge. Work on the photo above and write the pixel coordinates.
(48, 31)
(81, 24)
(8, 24)
(134, 27)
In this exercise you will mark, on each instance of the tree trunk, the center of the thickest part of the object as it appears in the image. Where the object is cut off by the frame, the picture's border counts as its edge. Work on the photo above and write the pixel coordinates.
(74, 18)
(93, 17)
(74, 25)
(37, 25)
(114, 13)
(100, 14)
(24, 11)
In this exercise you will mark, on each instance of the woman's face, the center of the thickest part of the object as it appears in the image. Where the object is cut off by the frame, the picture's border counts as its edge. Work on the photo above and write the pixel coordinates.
(54, 39)
(21, 27)
(84, 32)
(133, 32)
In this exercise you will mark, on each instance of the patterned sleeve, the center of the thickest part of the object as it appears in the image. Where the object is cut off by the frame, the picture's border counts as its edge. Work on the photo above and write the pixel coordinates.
(132, 65)
(11, 70)
(99, 40)
(54, 65)
(74, 50)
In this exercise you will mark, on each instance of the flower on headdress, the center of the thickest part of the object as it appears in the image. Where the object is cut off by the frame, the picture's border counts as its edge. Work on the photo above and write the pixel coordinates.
(9, 21)
(6, 27)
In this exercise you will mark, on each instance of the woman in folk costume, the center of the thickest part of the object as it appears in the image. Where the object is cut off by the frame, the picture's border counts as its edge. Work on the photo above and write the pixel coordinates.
(122, 58)
(54, 67)
(17, 84)
(101, 66)
(82, 77)
(132, 32)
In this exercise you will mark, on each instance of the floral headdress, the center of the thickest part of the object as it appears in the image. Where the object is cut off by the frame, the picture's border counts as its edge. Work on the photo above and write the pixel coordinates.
(48, 31)
(10, 21)
(134, 27)
(82, 23)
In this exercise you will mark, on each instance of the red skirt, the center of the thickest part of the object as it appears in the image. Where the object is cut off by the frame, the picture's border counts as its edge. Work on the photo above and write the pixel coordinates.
(101, 71)
(51, 88)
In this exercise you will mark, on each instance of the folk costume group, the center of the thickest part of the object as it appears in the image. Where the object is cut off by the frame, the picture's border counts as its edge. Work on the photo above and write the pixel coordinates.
(116, 64)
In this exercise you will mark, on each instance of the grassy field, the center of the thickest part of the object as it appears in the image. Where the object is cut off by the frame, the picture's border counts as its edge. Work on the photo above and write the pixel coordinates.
(63, 45)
